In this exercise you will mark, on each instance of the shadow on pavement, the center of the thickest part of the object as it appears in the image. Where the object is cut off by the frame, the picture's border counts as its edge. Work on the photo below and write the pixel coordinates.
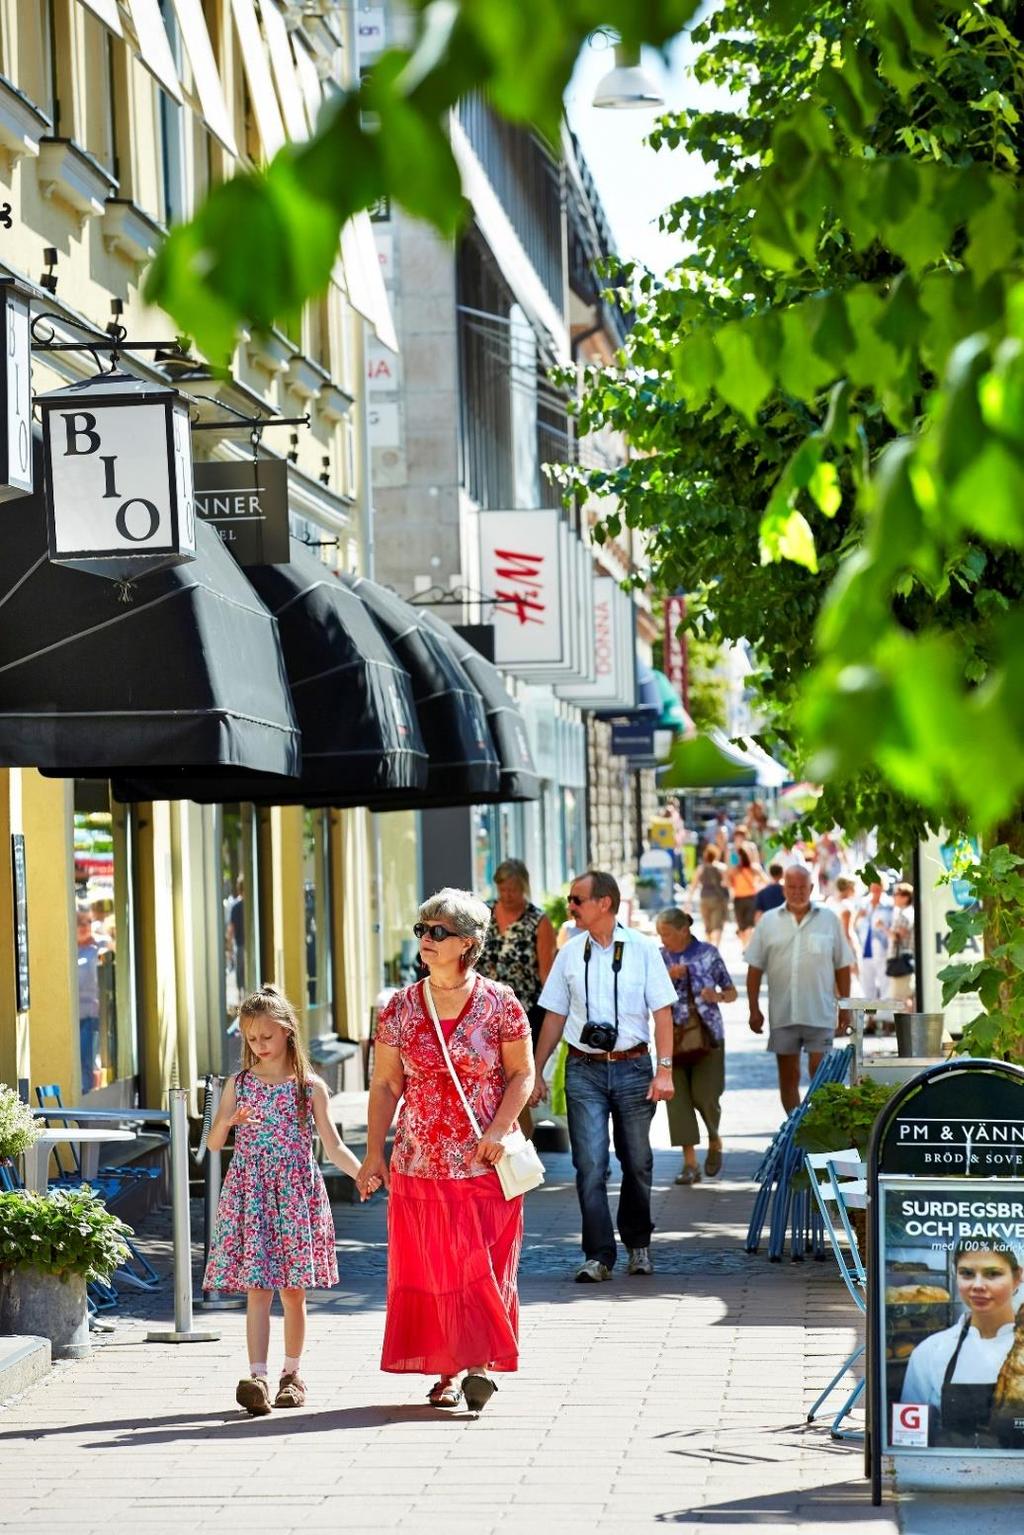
(806, 1508)
(177, 1428)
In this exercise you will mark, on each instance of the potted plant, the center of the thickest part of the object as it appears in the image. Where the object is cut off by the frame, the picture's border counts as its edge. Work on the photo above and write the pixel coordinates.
(18, 1129)
(838, 1117)
(51, 1245)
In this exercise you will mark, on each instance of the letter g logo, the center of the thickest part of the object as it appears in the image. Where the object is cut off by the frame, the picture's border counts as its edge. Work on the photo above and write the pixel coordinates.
(909, 1415)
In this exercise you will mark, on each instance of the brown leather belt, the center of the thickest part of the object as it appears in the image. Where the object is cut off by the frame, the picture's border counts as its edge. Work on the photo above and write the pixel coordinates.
(610, 1055)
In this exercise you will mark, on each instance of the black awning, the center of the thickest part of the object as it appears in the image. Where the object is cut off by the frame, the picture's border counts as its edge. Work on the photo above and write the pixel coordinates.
(188, 672)
(519, 779)
(464, 768)
(353, 701)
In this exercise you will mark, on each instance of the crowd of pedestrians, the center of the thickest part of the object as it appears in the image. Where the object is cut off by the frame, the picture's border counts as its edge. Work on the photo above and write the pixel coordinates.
(462, 1054)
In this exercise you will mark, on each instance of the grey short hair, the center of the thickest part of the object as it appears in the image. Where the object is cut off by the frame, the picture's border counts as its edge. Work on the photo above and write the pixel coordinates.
(513, 868)
(602, 884)
(464, 913)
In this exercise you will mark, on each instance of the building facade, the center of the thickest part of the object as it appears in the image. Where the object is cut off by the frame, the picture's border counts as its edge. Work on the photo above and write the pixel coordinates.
(143, 923)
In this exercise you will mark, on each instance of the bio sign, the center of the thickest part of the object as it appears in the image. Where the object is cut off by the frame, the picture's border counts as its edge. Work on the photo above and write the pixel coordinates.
(946, 1279)
(119, 485)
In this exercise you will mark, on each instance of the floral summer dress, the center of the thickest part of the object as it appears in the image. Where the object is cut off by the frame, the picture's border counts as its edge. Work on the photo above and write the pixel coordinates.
(274, 1227)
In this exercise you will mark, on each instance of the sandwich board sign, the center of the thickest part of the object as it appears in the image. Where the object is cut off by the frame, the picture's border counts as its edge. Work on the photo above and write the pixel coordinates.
(945, 1281)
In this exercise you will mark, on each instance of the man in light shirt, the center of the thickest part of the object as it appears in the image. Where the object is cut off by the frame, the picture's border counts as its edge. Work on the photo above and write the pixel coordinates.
(801, 948)
(608, 982)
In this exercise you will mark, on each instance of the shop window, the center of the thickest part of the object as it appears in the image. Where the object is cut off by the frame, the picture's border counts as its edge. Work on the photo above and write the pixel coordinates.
(99, 132)
(172, 122)
(105, 932)
(316, 885)
(240, 907)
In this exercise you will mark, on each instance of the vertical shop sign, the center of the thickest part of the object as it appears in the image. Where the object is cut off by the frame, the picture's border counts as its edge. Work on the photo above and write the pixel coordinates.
(16, 441)
(247, 503)
(946, 1264)
(521, 569)
(676, 667)
(21, 967)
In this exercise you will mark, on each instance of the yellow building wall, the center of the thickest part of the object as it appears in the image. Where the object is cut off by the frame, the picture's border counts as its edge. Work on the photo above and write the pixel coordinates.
(14, 1030)
(47, 817)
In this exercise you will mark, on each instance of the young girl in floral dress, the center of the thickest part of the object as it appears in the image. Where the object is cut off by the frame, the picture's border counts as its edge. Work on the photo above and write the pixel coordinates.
(274, 1228)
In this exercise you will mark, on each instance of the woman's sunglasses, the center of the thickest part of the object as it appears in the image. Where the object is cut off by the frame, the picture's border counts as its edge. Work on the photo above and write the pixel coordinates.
(433, 930)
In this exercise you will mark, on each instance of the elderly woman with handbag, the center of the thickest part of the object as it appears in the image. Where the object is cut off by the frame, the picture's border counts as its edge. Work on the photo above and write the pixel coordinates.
(455, 1049)
(698, 1044)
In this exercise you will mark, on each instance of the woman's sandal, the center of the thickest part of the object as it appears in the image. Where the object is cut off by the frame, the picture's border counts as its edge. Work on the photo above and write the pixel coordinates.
(445, 1393)
(478, 1390)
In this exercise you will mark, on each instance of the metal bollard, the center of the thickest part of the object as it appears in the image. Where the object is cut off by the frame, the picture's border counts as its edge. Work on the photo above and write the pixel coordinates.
(183, 1330)
(212, 1300)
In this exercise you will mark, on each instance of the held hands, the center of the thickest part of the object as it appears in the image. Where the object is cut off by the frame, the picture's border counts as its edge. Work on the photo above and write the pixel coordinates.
(371, 1176)
(756, 1020)
(662, 1087)
(489, 1148)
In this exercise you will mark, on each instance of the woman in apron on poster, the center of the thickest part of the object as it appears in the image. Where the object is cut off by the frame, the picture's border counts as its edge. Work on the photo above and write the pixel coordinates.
(971, 1375)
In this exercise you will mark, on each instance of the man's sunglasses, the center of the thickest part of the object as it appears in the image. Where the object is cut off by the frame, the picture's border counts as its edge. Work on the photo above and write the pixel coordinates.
(433, 930)
(580, 900)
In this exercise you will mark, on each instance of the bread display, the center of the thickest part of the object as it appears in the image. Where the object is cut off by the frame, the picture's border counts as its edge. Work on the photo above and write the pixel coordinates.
(915, 1295)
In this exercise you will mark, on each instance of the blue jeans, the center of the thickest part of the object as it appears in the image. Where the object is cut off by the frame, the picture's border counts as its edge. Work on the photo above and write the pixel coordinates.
(593, 1092)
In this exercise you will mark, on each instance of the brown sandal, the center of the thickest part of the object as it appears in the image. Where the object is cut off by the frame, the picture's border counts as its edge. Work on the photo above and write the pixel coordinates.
(253, 1394)
(291, 1392)
(445, 1393)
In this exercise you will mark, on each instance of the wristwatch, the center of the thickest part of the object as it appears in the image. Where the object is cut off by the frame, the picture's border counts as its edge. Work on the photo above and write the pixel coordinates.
(664, 1060)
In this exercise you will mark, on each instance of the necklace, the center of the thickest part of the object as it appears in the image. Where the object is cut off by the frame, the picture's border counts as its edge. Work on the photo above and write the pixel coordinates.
(458, 985)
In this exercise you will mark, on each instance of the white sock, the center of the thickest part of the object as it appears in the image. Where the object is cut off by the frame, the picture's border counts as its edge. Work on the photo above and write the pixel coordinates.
(258, 1371)
(291, 1366)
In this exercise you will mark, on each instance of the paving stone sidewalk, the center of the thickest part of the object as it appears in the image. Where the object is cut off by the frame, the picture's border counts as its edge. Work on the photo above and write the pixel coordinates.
(678, 1400)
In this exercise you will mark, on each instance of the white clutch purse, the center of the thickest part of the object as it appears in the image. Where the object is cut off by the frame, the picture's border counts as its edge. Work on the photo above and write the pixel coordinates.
(520, 1169)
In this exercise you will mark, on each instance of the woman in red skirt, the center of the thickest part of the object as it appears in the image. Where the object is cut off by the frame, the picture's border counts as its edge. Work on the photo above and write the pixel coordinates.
(453, 1237)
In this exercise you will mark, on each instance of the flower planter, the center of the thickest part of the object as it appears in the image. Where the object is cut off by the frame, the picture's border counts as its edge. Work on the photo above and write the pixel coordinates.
(40, 1305)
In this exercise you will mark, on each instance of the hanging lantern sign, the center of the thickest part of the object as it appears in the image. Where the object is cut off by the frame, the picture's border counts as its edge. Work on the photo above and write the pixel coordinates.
(16, 390)
(118, 462)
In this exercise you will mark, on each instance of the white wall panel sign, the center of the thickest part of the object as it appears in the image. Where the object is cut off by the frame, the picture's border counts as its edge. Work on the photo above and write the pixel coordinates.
(385, 425)
(520, 566)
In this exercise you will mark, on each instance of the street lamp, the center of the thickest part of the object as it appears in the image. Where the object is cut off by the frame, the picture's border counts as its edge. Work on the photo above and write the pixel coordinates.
(628, 86)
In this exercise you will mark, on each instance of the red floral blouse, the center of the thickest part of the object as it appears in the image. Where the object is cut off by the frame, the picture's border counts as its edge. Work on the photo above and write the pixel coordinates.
(433, 1137)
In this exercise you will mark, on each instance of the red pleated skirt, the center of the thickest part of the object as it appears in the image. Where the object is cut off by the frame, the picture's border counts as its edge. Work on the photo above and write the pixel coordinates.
(453, 1255)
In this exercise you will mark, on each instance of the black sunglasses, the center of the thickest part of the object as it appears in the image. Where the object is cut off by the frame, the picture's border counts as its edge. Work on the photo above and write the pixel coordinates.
(433, 930)
(579, 900)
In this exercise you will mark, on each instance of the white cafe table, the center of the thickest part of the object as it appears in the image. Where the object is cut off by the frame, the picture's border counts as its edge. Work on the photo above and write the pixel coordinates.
(37, 1157)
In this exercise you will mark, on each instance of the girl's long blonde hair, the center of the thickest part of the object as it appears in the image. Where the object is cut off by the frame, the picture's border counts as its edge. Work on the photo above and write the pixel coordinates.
(268, 1000)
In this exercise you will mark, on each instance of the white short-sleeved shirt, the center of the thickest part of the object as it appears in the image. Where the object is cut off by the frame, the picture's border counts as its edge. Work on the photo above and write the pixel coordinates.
(978, 1363)
(644, 986)
(800, 960)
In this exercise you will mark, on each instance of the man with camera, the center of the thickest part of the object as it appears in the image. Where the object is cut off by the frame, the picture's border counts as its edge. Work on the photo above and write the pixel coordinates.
(601, 992)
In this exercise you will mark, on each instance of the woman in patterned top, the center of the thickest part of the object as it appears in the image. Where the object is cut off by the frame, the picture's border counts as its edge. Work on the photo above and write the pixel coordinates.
(453, 1238)
(519, 949)
(702, 982)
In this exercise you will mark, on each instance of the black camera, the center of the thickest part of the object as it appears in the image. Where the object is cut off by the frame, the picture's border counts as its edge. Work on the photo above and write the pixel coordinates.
(599, 1036)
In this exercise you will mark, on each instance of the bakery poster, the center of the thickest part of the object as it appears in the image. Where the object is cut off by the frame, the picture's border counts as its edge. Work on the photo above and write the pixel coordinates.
(952, 1314)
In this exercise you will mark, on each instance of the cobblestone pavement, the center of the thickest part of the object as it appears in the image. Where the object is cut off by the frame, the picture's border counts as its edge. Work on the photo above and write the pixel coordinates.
(674, 1401)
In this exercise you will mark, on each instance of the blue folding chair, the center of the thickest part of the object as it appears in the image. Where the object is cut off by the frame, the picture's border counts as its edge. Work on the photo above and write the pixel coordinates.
(838, 1182)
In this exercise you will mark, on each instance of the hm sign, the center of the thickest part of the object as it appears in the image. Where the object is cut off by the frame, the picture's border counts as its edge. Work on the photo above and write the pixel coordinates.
(119, 490)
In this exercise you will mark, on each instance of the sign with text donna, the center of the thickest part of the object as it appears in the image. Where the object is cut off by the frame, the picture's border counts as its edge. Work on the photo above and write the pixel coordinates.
(247, 503)
(946, 1280)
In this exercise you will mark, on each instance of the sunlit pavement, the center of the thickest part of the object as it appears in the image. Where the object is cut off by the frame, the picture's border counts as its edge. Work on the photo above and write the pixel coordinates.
(678, 1400)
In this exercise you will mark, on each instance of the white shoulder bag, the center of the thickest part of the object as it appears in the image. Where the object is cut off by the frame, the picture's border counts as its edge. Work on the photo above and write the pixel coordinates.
(520, 1169)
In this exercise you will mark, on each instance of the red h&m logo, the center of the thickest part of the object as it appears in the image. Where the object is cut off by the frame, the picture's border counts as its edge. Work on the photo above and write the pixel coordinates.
(524, 573)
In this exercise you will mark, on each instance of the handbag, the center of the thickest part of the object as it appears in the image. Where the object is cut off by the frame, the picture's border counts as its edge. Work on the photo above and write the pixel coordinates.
(520, 1169)
(691, 1040)
(899, 964)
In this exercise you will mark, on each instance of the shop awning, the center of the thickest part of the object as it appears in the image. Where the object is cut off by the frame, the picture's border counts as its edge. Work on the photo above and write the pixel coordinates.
(673, 715)
(648, 698)
(707, 762)
(464, 768)
(771, 774)
(188, 673)
(352, 699)
(519, 778)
